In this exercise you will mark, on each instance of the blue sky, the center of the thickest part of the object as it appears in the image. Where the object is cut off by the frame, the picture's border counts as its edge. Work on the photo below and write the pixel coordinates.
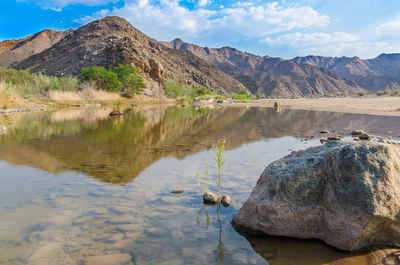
(281, 28)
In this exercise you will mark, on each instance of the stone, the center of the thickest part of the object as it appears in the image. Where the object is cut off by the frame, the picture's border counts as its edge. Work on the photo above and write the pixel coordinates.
(226, 201)
(344, 193)
(323, 140)
(112, 259)
(324, 132)
(365, 137)
(115, 113)
(220, 101)
(357, 132)
(210, 198)
(177, 191)
(334, 138)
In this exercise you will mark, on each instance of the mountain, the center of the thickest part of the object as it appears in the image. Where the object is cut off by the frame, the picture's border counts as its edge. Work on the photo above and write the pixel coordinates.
(271, 76)
(380, 73)
(14, 51)
(112, 41)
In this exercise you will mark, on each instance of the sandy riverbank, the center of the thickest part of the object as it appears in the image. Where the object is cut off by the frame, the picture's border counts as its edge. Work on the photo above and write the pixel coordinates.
(367, 105)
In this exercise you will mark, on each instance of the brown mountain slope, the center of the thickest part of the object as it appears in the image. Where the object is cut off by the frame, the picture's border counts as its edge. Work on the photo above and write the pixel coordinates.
(270, 76)
(382, 72)
(14, 51)
(113, 40)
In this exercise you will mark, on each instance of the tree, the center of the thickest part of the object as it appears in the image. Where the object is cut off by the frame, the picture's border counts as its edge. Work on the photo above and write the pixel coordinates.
(130, 79)
(103, 78)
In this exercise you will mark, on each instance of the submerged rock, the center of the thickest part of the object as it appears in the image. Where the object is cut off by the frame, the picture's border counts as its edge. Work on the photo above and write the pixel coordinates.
(210, 198)
(344, 193)
(357, 132)
(226, 201)
(115, 113)
(177, 191)
(365, 137)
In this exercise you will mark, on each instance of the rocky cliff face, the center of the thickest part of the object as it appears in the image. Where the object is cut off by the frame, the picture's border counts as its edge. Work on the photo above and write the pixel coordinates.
(271, 76)
(380, 73)
(344, 193)
(111, 41)
(14, 51)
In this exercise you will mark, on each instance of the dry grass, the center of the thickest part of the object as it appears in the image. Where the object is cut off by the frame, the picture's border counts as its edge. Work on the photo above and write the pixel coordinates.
(9, 97)
(87, 94)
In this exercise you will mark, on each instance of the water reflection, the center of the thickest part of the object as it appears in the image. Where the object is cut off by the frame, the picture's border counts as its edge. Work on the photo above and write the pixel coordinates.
(62, 206)
(116, 150)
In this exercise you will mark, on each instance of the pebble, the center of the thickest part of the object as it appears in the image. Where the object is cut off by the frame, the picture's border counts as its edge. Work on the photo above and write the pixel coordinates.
(210, 198)
(365, 137)
(226, 201)
(177, 191)
(357, 132)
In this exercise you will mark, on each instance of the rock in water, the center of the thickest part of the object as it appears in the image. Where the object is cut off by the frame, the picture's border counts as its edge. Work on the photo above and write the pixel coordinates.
(210, 198)
(226, 201)
(365, 137)
(344, 193)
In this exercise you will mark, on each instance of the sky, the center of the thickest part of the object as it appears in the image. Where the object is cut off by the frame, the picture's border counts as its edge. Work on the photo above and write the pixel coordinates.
(278, 28)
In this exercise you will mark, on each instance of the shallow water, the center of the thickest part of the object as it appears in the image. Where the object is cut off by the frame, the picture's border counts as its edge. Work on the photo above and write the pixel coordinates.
(79, 187)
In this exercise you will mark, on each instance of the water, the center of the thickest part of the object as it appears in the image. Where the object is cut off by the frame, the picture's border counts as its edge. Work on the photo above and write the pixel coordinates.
(79, 187)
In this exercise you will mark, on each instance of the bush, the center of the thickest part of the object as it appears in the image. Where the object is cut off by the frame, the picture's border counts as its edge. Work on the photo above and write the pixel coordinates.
(242, 96)
(382, 92)
(395, 93)
(174, 89)
(103, 78)
(202, 91)
(130, 79)
(25, 83)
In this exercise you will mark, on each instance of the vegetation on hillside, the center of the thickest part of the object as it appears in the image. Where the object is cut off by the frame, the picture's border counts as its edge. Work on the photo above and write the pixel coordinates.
(175, 90)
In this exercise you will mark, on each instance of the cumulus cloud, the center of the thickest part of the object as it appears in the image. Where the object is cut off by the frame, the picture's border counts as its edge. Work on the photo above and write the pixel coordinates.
(310, 39)
(361, 49)
(204, 2)
(391, 27)
(167, 19)
(57, 4)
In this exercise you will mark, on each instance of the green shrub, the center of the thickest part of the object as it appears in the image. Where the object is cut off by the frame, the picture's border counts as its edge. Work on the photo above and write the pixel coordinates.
(130, 79)
(395, 93)
(202, 91)
(382, 92)
(103, 78)
(174, 89)
(25, 83)
(242, 96)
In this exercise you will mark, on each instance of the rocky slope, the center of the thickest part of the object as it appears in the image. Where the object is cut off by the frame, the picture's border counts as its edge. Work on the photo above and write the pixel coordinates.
(14, 51)
(113, 40)
(380, 73)
(270, 76)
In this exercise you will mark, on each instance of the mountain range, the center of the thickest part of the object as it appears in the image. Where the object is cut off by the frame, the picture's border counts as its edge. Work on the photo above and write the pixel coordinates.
(112, 40)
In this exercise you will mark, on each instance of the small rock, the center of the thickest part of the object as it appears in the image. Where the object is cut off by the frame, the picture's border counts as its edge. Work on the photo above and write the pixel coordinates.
(226, 201)
(115, 113)
(357, 132)
(177, 191)
(277, 105)
(183, 105)
(196, 100)
(324, 132)
(365, 137)
(334, 138)
(323, 140)
(133, 105)
(220, 101)
(210, 198)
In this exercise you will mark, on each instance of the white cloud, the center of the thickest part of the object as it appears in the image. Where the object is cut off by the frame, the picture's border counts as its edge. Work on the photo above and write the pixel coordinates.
(391, 27)
(57, 4)
(167, 19)
(310, 39)
(361, 49)
(204, 2)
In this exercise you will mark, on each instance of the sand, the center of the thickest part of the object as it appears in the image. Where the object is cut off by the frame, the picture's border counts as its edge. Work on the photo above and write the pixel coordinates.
(389, 106)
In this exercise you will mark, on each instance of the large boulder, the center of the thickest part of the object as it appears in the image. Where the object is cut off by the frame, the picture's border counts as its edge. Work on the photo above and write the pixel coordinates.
(344, 193)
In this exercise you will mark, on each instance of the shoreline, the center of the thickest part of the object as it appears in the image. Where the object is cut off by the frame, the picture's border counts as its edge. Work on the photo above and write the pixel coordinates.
(387, 106)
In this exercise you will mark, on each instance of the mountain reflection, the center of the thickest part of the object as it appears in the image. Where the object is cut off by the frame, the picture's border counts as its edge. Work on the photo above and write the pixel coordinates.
(116, 150)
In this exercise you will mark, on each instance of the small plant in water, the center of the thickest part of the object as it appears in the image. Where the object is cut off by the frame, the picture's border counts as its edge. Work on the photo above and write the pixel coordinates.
(5, 107)
(204, 184)
(219, 158)
(118, 105)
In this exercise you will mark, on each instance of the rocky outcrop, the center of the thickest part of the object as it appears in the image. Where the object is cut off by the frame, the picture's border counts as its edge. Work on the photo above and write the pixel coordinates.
(111, 41)
(14, 51)
(271, 76)
(380, 73)
(344, 193)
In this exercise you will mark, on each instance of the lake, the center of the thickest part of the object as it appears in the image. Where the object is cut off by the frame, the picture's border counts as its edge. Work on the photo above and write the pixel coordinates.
(80, 187)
